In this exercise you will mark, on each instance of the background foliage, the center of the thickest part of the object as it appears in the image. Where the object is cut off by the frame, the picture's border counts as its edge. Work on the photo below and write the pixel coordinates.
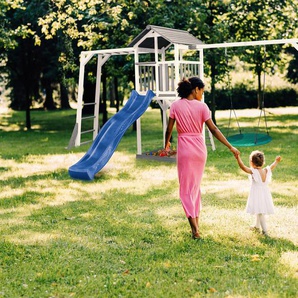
(41, 41)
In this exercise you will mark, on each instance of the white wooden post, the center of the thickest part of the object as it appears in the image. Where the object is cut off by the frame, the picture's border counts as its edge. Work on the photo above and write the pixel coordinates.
(97, 97)
(137, 88)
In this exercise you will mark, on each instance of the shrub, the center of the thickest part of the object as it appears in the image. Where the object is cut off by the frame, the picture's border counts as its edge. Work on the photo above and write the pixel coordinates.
(243, 98)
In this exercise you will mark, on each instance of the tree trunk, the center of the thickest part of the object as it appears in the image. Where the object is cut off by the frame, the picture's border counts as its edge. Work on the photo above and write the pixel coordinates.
(116, 93)
(49, 102)
(103, 105)
(259, 91)
(213, 103)
(64, 96)
(28, 105)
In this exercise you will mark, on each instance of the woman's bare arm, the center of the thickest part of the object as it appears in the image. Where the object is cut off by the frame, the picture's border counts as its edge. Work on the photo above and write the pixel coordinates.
(218, 134)
(169, 133)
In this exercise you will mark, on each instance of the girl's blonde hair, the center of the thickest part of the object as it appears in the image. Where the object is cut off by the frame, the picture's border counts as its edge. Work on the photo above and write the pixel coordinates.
(257, 158)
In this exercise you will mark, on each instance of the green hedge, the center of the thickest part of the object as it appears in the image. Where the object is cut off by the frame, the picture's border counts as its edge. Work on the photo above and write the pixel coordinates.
(245, 99)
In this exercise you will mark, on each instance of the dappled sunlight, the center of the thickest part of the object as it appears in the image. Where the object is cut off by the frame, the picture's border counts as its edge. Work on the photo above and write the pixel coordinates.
(170, 214)
(10, 222)
(283, 130)
(51, 186)
(214, 174)
(63, 196)
(7, 192)
(120, 160)
(289, 259)
(51, 191)
(22, 211)
(26, 237)
(138, 180)
(222, 188)
(169, 196)
(283, 224)
(288, 189)
(10, 127)
(218, 223)
(37, 164)
(236, 223)
(158, 173)
(36, 127)
(84, 241)
(5, 124)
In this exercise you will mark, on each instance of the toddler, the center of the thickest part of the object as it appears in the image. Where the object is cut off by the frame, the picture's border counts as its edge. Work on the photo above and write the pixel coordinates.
(259, 201)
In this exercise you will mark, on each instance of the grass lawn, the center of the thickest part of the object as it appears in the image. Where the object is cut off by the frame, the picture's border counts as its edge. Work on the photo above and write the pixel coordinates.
(124, 234)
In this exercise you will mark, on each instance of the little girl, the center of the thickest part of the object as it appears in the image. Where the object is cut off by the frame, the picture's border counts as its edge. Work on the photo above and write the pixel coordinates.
(259, 201)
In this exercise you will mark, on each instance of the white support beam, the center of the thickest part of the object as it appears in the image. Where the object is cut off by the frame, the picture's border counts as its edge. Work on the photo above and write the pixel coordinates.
(295, 45)
(80, 100)
(101, 59)
(119, 51)
(245, 43)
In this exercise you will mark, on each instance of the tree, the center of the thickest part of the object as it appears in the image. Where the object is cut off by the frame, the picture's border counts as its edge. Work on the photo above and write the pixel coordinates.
(109, 24)
(32, 62)
(209, 25)
(292, 71)
(6, 32)
(261, 20)
(22, 63)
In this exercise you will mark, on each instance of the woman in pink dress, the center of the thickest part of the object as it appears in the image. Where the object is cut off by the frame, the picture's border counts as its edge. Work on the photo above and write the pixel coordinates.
(190, 114)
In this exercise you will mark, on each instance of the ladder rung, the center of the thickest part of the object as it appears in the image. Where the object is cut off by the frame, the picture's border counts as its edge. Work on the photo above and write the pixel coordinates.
(86, 131)
(86, 142)
(89, 103)
(88, 117)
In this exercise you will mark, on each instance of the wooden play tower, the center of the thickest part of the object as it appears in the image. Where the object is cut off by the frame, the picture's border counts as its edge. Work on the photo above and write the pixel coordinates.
(162, 57)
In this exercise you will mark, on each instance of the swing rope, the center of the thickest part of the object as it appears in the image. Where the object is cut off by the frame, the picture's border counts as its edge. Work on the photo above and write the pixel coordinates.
(229, 85)
(249, 139)
(262, 108)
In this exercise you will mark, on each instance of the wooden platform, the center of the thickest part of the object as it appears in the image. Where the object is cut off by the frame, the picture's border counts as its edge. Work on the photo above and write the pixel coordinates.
(154, 155)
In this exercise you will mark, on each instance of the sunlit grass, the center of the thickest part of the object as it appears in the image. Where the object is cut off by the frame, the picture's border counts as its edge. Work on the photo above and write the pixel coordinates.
(124, 234)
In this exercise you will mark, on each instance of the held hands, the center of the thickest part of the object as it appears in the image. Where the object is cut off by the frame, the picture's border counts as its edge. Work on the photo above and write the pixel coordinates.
(235, 151)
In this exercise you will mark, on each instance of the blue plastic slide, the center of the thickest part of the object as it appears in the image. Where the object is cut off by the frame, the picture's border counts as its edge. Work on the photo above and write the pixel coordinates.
(109, 137)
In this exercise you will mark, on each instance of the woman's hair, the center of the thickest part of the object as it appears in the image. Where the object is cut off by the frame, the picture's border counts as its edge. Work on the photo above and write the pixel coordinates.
(196, 82)
(186, 86)
(257, 158)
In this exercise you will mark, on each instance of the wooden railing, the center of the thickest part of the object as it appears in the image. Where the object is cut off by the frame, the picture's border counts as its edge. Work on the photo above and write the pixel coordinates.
(166, 73)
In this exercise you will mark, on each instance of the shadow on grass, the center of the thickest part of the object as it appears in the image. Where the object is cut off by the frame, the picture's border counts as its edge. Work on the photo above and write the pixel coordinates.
(121, 239)
(279, 244)
(28, 197)
(18, 182)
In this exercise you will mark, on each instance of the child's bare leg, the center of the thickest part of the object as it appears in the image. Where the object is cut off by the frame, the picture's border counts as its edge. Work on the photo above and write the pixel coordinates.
(258, 224)
(263, 223)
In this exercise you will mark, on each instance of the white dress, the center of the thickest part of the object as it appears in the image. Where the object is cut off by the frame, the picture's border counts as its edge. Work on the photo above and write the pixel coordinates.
(260, 199)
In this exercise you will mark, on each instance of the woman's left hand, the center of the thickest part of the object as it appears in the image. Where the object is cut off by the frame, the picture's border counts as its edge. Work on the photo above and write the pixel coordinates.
(235, 151)
(167, 148)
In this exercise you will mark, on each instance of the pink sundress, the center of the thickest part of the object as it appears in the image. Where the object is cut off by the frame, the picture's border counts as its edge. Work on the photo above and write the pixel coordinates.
(190, 116)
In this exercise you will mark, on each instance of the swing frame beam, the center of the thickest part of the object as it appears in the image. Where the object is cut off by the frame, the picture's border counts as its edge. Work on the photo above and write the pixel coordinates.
(293, 42)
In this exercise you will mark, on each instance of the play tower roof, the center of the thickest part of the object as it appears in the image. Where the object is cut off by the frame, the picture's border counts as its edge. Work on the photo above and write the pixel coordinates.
(167, 36)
